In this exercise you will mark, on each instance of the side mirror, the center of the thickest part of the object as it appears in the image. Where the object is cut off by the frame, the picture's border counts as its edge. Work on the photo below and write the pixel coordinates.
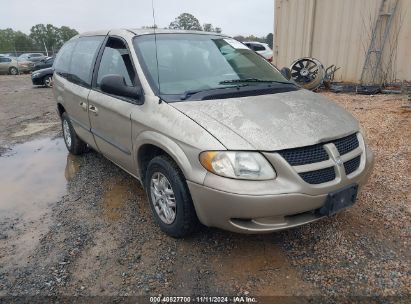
(116, 85)
(286, 72)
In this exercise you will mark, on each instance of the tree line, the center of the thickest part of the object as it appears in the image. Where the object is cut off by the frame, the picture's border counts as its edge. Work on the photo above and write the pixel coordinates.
(188, 21)
(267, 39)
(48, 37)
(42, 37)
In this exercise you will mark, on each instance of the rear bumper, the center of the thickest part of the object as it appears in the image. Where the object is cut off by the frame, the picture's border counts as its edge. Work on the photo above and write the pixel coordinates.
(265, 206)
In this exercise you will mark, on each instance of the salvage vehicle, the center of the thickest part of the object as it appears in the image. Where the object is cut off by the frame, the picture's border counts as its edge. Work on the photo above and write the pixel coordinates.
(8, 65)
(45, 63)
(261, 48)
(43, 77)
(214, 133)
(33, 57)
(25, 66)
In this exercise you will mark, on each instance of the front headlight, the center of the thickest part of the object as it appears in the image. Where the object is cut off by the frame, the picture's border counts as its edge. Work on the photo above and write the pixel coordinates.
(34, 75)
(238, 165)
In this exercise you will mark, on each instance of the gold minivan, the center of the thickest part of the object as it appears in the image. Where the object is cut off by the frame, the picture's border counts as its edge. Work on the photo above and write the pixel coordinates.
(215, 134)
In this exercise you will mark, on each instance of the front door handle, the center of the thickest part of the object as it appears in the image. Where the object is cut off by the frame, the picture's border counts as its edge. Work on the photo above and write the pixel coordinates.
(93, 109)
(83, 105)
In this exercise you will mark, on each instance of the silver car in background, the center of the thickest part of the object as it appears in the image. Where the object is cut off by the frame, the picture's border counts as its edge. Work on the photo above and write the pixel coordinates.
(8, 65)
(32, 57)
(261, 48)
(214, 133)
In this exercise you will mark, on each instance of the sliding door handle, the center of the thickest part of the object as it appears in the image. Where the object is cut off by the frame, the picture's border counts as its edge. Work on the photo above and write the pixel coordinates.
(93, 109)
(83, 105)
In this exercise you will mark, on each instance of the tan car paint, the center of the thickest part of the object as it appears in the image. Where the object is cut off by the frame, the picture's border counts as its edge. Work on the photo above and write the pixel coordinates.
(183, 130)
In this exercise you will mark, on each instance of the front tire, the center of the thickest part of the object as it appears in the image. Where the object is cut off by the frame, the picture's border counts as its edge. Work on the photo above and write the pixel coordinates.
(13, 71)
(169, 198)
(73, 143)
(48, 81)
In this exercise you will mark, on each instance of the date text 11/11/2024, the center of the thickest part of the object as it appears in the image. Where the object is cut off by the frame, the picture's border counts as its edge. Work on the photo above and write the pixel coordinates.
(203, 299)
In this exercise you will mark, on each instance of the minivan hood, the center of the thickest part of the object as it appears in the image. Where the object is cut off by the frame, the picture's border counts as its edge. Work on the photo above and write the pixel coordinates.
(271, 122)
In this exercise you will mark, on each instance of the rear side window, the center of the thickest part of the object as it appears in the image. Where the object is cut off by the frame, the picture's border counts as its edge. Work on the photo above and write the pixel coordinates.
(3, 59)
(82, 61)
(63, 58)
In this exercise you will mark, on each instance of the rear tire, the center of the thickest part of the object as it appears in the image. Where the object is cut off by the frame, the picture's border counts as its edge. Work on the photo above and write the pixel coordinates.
(73, 143)
(182, 219)
(13, 71)
(48, 81)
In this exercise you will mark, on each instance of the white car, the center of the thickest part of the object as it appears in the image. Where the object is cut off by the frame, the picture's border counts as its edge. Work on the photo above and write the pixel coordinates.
(261, 48)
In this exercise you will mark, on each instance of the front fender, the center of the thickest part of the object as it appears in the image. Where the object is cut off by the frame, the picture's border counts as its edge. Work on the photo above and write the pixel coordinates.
(181, 153)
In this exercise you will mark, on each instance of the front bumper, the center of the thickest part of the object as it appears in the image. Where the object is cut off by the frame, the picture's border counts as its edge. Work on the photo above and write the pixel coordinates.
(266, 206)
(37, 80)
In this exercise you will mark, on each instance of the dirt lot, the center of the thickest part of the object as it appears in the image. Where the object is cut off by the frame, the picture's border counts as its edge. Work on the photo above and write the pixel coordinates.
(80, 226)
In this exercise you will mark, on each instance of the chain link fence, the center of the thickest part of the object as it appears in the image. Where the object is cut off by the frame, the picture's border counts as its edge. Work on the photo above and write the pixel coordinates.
(17, 53)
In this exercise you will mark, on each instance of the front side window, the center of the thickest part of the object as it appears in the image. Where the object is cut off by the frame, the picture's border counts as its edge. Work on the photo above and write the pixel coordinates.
(194, 62)
(116, 60)
(82, 62)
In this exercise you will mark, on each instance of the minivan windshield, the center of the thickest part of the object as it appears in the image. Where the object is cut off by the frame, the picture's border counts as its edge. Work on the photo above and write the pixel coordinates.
(192, 63)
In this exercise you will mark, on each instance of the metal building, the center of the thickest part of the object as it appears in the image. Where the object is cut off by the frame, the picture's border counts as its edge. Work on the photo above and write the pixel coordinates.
(340, 32)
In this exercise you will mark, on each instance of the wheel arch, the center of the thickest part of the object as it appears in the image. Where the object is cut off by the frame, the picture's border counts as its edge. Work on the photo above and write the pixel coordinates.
(60, 109)
(150, 144)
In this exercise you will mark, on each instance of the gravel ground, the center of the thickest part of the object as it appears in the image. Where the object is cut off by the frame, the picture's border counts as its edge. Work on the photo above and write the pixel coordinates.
(98, 237)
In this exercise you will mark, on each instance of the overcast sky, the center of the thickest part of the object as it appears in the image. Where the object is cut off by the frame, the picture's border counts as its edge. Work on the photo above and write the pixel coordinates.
(235, 17)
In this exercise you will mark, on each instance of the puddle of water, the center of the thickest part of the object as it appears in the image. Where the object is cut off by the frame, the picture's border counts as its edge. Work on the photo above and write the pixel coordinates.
(72, 166)
(33, 175)
(115, 199)
(34, 127)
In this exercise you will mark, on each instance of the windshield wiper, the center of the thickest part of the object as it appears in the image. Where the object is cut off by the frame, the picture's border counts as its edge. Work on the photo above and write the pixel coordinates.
(189, 93)
(255, 80)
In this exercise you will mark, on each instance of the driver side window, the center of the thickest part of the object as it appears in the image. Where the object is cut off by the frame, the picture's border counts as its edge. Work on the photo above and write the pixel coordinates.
(116, 60)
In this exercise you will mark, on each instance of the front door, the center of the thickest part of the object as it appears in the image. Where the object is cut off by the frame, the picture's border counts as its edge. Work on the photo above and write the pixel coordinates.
(110, 115)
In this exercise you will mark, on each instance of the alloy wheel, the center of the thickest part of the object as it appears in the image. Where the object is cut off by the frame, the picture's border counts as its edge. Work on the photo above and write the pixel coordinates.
(163, 198)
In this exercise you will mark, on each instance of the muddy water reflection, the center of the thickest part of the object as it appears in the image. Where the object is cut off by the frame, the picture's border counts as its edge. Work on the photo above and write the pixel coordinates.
(116, 197)
(33, 175)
